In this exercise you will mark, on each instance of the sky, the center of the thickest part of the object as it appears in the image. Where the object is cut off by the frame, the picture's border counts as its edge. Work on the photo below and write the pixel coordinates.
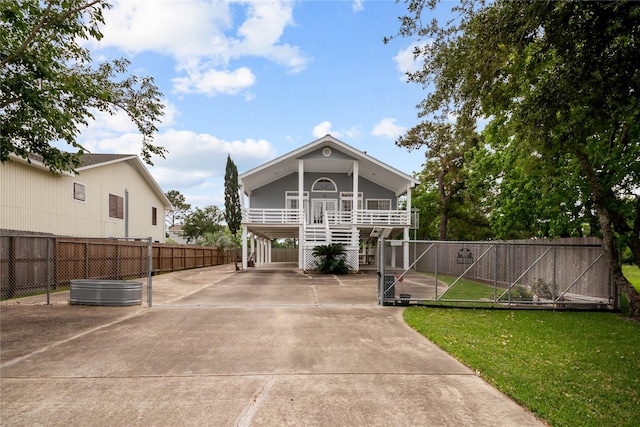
(256, 80)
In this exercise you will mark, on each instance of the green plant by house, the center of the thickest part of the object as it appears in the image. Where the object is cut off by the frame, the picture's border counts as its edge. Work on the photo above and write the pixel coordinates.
(332, 258)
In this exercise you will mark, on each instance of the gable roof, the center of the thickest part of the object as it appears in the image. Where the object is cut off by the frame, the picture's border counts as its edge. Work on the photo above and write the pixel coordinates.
(90, 161)
(368, 167)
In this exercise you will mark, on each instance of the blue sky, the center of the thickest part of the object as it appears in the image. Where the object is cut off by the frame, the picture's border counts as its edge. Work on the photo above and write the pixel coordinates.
(258, 79)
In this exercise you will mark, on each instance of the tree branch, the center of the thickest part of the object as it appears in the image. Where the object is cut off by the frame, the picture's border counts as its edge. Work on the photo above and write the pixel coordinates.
(42, 24)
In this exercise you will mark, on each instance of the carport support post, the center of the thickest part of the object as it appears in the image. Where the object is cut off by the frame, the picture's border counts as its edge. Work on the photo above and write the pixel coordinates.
(381, 264)
(405, 249)
(301, 247)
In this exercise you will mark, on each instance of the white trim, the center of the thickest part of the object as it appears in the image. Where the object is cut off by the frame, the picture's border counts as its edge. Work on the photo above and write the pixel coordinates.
(324, 178)
(348, 196)
(73, 192)
(378, 200)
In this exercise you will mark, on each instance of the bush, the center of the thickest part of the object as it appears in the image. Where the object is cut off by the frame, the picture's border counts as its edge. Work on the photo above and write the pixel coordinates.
(332, 258)
(518, 293)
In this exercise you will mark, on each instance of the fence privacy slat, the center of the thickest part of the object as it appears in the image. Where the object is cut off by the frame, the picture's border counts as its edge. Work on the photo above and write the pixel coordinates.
(31, 264)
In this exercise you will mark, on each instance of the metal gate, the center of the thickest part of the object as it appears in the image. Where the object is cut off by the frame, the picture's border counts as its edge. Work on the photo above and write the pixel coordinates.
(553, 273)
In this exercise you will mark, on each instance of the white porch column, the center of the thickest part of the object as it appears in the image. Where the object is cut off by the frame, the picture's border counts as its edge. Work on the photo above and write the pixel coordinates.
(301, 247)
(354, 208)
(393, 257)
(244, 247)
(260, 250)
(269, 251)
(253, 248)
(405, 248)
(301, 190)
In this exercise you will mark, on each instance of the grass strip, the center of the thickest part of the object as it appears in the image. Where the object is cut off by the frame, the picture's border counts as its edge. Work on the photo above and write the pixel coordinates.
(568, 368)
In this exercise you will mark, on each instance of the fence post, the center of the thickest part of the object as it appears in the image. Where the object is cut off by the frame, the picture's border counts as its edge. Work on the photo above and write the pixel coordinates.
(436, 268)
(48, 270)
(509, 273)
(554, 294)
(149, 269)
(381, 262)
(495, 274)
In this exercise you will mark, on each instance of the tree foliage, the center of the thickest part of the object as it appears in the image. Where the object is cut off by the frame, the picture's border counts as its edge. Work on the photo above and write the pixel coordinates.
(446, 151)
(180, 208)
(332, 258)
(560, 80)
(50, 87)
(201, 221)
(232, 213)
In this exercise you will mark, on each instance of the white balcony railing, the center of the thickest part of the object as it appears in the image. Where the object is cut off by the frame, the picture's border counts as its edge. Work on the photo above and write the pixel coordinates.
(360, 217)
(387, 217)
(272, 216)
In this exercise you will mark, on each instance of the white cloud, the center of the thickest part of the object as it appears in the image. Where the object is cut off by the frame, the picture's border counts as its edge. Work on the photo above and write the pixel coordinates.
(212, 82)
(323, 129)
(405, 61)
(358, 5)
(388, 128)
(202, 38)
(326, 128)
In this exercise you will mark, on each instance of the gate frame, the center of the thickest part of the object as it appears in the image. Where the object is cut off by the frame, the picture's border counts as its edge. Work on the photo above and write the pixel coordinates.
(386, 282)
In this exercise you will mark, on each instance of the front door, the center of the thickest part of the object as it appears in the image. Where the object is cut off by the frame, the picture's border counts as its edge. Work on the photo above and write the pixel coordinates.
(319, 207)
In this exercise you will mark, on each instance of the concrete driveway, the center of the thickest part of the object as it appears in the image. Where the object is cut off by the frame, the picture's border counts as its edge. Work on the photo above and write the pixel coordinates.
(262, 347)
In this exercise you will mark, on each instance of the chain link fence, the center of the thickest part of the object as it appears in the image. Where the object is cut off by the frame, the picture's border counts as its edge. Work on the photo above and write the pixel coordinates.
(60, 270)
(569, 274)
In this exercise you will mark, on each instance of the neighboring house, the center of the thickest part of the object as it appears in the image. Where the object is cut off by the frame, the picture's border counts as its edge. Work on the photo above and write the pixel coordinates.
(175, 234)
(324, 192)
(113, 195)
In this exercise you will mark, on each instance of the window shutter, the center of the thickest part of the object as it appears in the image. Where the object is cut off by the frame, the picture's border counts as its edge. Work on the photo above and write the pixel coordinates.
(116, 206)
(154, 216)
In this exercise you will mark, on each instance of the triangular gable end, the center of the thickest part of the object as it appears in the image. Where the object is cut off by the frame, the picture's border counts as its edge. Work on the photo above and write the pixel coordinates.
(341, 156)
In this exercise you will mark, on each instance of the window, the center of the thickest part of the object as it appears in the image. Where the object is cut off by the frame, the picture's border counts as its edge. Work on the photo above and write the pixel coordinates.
(379, 204)
(346, 201)
(116, 206)
(154, 216)
(292, 199)
(324, 185)
(79, 192)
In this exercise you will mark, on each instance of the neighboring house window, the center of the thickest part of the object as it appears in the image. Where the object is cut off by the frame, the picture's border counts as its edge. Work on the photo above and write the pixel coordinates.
(79, 192)
(379, 204)
(346, 201)
(154, 216)
(324, 185)
(116, 206)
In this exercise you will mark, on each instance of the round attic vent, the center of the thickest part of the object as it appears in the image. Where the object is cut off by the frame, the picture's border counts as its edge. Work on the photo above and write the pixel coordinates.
(326, 152)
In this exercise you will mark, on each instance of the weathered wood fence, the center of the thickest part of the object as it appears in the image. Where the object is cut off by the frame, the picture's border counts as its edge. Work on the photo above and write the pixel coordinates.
(284, 255)
(31, 264)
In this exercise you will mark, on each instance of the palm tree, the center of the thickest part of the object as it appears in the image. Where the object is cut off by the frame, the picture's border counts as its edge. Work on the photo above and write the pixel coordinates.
(333, 259)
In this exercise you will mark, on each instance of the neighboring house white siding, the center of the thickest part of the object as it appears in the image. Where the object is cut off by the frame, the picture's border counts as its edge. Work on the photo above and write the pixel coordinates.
(35, 200)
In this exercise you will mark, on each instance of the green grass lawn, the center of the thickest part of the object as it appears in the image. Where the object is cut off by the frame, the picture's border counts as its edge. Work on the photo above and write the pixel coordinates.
(568, 368)
(632, 273)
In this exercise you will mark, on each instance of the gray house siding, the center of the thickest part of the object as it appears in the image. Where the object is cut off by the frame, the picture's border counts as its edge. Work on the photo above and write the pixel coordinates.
(335, 155)
(272, 195)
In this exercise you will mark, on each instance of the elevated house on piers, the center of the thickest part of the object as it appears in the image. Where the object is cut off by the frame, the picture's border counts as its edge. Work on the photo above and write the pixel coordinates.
(324, 192)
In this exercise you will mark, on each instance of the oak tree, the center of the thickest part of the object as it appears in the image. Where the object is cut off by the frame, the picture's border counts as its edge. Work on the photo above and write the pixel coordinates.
(50, 87)
(561, 78)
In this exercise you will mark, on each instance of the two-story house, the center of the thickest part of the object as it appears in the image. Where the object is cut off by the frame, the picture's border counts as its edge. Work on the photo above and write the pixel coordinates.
(112, 195)
(324, 192)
